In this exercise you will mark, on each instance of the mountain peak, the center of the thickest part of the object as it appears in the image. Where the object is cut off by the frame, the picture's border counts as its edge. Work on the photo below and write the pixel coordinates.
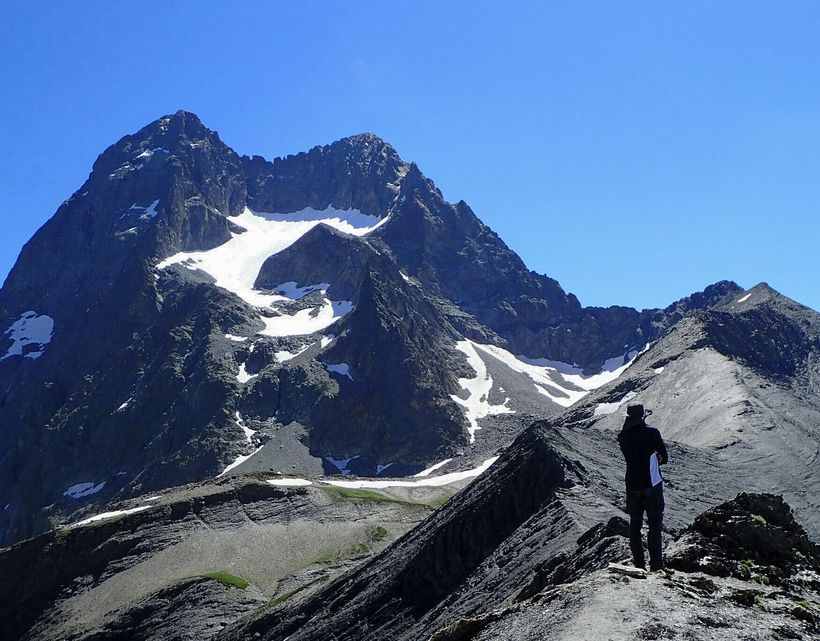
(364, 147)
(174, 129)
(764, 295)
(180, 134)
(364, 138)
(357, 172)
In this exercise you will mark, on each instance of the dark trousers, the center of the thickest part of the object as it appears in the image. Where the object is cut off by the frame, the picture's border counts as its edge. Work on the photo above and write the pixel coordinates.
(650, 501)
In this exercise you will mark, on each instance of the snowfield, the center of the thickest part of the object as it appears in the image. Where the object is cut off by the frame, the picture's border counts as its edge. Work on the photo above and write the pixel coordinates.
(569, 379)
(341, 464)
(110, 515)
(342, 369)
(610, 408)
(234, 265)
(429, 481)
(248, 432)
(243, 376)
(476, 405)
(29, 329)
(290, 482)
(307, 321)
(426, 481)
(432, 468)
(562, 383)
(81, 490)
(148, 212)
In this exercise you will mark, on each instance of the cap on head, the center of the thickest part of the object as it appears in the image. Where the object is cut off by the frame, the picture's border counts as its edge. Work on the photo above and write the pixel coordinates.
(635, 411)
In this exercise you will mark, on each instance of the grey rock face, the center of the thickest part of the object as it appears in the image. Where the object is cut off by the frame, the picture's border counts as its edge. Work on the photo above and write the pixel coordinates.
(360, 172)
(190, 610)
(397, 349)
(451, 252)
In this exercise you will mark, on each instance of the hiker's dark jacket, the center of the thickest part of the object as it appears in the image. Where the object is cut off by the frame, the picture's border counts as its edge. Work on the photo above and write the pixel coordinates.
(638, 441)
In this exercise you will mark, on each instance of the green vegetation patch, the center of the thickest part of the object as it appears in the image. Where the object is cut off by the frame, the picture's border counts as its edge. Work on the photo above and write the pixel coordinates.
(227, 579)
(440, 501)
(287, 595)
(337, 555)
(760, 578)
(330, 556)
(358, 494)
(358, 549)
(378, 534)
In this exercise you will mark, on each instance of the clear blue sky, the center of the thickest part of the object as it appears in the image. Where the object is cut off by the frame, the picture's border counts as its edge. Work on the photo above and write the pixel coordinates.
(636, 152)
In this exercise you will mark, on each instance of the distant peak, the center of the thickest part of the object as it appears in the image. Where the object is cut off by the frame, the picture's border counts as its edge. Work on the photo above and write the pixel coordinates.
(765, 294)
(182, 114)
(364, 138)
(365, 144)
(173, 135)
(180, 125)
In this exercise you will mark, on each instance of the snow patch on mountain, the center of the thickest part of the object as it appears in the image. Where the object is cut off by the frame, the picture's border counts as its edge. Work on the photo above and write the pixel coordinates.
(248, 432)
(243, 376)
(611, 369)
(29, 329)
(148, 212)
(432, 468)
(744, 298)
(610, 408)
(238, 461)
(235, 264)
(292, 290)
(476, 405)
(284, 355)
(110, 515)
(341, 464)
(290, 482)
(435, 481)
(551, 376)
(306, 321)
(343, 369)
(81, 490)
(147, 154)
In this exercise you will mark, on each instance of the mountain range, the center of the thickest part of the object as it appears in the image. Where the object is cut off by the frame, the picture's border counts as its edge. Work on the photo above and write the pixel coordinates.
(289, 346)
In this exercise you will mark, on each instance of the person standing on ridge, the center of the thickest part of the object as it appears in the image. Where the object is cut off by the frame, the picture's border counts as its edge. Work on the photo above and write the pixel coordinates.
(644, 451)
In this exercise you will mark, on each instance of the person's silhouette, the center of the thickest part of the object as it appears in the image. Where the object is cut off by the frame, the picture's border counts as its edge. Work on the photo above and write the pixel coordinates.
(644, 451)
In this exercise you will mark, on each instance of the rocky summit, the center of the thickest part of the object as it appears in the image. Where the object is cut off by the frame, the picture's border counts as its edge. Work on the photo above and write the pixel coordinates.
(312, 399)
